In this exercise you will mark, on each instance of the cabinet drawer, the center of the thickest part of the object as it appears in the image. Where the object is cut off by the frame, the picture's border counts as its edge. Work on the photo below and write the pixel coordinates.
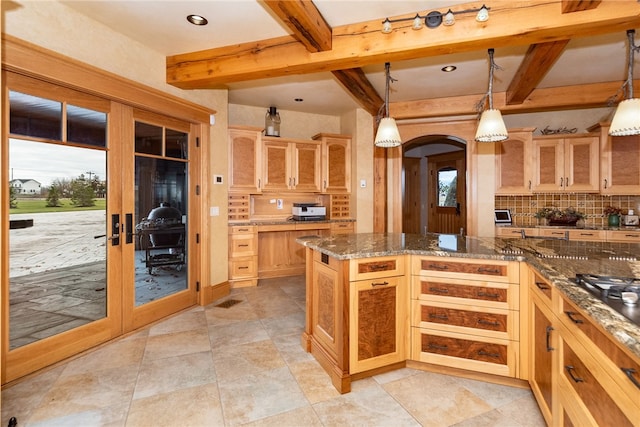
(373, 268)
(559, 233)
(243, 245)
(593, 395)
(516, 232)
(623, 236)
(342, 227)
(467, 292)
(243, 267)
(542, 288)
(484, 322)
(496, 271)
(493, 356)
(594, 235)
(243, 229)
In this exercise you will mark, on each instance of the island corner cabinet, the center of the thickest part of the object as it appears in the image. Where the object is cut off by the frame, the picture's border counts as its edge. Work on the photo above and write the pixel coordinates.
(357, 321)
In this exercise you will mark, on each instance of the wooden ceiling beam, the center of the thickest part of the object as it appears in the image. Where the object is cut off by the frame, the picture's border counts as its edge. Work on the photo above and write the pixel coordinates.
(305, 21)
(357, 45)
(594, 95)
(309, 27)
(357, 84)
(537, 62)
(569, 6)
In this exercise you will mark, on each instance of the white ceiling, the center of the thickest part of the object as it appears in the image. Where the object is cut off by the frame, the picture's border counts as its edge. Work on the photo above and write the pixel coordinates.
(162, 26)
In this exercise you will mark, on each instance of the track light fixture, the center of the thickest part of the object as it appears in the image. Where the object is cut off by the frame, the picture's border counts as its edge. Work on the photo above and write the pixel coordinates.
(435, 19)
(626, 120)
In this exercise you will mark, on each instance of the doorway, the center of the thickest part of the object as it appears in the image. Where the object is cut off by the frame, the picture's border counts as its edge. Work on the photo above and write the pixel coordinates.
(434, 185)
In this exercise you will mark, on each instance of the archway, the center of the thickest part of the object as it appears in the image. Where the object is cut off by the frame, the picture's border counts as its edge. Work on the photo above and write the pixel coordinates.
(434, 185)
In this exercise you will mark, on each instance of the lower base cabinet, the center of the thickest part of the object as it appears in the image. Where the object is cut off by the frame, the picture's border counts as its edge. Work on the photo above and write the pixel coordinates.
(579, 375)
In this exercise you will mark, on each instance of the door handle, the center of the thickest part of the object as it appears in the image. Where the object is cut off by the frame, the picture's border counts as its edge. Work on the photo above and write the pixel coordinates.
(115, 230)
(458, 209)
(128, 220)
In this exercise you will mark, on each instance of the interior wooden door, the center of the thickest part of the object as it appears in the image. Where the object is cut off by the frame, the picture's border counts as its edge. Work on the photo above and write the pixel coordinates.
(411, 205)
(447, 193)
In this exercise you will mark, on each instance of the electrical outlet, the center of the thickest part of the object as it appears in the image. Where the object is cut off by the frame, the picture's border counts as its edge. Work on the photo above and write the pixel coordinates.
(279, 204)
(363, 183)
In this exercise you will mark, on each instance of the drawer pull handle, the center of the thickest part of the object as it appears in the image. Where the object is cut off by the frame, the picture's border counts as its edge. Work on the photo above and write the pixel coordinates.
(439, 290)
(570, 370)
(629, 372)
(438, 347)
(243, 245)
(488, 322)
(438, 267)
(570, 315)
(631, 235)
(379, 284)
(377, 267)
(488, 270)
(488, 295)
(243, 229)
(542, 286)
(242, 268)
(438, 316)
(586, 234)
(549, 348)
(485, 353)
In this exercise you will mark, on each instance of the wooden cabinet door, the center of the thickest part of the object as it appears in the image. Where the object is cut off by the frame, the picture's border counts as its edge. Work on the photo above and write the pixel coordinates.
(336, 164)
(548, 161)
(619, 163)
(379, 320)
(276, 166)
(305, 174)
(513, 164)
(581, 166)
(543, 344)
(244, 160)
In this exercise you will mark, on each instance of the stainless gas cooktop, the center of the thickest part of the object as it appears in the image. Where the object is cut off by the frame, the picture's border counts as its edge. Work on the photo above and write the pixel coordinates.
(620, 293)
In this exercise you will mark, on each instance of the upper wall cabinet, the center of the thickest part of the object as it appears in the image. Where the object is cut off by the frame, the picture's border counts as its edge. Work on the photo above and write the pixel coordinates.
(514, 164)
(567, 163)
(245, 159)
(619, 162)
(336, 162)
(290, 165)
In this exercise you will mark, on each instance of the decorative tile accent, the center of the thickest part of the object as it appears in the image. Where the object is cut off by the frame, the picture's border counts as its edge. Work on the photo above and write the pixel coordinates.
(523, 208)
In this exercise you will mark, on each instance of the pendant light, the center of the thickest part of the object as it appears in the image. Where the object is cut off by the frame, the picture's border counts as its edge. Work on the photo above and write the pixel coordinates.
(388, 135)
(626, 120)
(491, 127)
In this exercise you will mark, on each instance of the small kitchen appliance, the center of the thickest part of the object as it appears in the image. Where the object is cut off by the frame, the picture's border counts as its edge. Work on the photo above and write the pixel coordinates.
(308, 212)
(619, 293)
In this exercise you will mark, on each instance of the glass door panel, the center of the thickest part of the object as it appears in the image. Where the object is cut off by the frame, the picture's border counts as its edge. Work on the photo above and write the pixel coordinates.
(57, 249)
(160, 212)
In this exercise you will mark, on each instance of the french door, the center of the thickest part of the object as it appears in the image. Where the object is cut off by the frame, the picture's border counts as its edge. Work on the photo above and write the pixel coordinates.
(84, 259)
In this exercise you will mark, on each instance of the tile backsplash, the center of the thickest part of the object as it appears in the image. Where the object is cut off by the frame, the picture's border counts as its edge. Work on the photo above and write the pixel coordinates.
(524, 208)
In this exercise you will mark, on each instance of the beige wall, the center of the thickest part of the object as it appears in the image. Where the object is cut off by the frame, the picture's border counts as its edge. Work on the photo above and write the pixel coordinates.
(293, 124)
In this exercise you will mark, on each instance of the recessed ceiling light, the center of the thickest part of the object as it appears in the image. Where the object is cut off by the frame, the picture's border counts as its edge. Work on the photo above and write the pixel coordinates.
(197, 20)
(449, 68)
(298, 99)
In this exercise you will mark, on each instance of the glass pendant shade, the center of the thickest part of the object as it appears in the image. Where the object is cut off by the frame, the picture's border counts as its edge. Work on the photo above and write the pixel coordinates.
(626, 120)
(388, 134)
(491, 127)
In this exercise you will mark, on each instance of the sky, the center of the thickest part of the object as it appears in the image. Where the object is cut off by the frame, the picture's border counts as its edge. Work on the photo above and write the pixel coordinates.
(45, 162)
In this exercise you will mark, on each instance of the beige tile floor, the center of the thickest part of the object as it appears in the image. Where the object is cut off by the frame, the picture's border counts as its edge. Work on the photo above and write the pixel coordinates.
(243, 365)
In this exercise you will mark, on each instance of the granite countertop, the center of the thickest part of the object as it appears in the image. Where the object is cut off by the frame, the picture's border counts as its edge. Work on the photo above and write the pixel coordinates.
(566, 227)
(555, 260)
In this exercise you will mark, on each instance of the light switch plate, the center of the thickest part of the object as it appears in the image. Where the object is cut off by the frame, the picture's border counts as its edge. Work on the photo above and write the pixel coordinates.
(217, 179)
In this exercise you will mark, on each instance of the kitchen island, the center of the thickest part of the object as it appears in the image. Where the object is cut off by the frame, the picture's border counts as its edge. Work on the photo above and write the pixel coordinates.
(377, 302)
